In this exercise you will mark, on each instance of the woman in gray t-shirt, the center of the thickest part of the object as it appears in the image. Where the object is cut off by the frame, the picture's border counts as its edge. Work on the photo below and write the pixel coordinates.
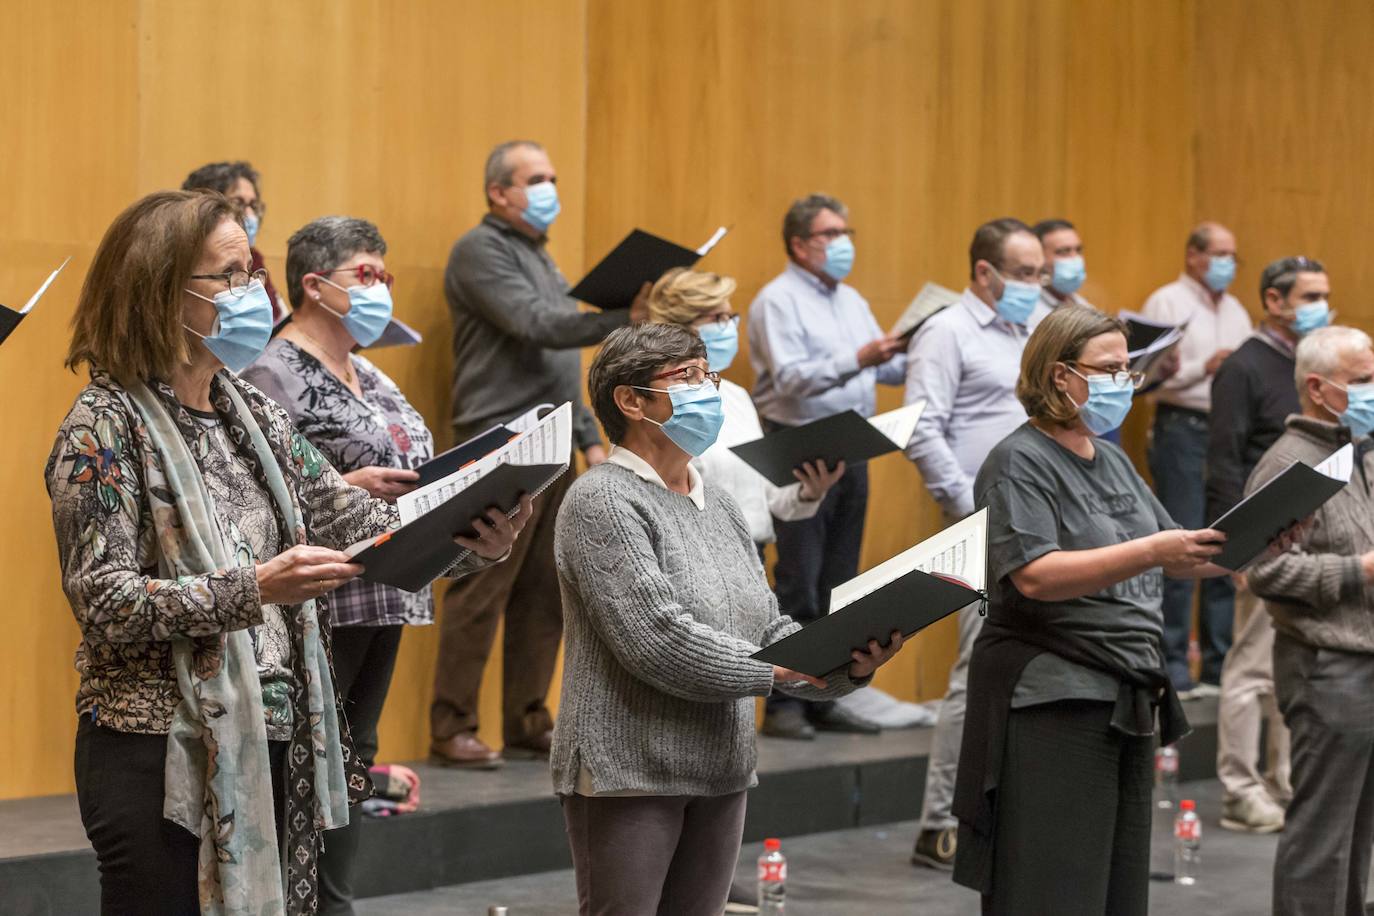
(1078, 548)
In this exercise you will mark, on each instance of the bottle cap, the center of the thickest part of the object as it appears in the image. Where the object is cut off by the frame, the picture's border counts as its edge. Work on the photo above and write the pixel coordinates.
(772, 844)
(1187, 804)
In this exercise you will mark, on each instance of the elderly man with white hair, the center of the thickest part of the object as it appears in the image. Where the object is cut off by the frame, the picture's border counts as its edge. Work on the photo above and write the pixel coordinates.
(1320, 593)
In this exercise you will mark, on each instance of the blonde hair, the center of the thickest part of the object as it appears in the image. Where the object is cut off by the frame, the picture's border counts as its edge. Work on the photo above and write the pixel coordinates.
(1060, 338)
(681, 296)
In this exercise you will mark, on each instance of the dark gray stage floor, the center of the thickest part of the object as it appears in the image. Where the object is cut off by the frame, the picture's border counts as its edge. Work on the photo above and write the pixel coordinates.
(866, 871)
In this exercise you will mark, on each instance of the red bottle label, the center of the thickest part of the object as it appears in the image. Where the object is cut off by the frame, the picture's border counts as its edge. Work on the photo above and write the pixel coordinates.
(1190, 831)
(1166, 763)
(773, 872)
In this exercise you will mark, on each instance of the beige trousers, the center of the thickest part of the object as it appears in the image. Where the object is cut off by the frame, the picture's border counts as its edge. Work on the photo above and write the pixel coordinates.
(1247, 700)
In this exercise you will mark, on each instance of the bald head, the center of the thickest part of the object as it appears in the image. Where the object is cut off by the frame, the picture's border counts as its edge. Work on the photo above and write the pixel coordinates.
(1209, 241)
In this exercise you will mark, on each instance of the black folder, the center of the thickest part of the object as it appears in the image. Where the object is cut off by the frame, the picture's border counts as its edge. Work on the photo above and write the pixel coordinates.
(844, 436)
(416, 554)
(9, 320)
(1257, 521)
(641, 258)
(445, 463)
(909, 604)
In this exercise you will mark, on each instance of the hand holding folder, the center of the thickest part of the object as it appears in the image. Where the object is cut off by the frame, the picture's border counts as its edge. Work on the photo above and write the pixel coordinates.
(906, 594)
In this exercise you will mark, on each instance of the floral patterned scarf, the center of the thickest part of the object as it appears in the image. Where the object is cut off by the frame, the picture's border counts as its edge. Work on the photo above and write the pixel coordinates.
(218, 778)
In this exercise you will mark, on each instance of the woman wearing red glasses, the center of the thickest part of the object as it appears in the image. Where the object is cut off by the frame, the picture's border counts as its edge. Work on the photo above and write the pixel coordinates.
(351, 411)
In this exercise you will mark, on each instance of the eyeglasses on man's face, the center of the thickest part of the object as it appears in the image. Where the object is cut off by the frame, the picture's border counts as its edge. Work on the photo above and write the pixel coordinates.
(829, 235)
(238, 280)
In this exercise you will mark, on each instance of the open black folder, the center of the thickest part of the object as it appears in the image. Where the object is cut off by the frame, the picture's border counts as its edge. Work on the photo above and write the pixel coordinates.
(10, 318)
(640, 258)
(844, 436)
(416, 554)
(1288, 498)
(422, 549)
(909, 592)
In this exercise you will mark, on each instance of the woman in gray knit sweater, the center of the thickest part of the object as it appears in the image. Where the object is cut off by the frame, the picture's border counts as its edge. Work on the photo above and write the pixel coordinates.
(664, 602)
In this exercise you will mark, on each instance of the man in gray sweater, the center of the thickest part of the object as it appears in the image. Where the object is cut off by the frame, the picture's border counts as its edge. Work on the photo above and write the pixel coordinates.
(516, 344)
(1321, 598)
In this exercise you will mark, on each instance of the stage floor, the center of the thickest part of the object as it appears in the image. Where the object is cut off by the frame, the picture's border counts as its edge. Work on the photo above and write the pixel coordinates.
(865, 871)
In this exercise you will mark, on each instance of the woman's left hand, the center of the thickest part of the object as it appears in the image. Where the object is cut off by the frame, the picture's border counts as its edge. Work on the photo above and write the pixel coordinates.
(817, 479)
(865, 663)
(496, 532)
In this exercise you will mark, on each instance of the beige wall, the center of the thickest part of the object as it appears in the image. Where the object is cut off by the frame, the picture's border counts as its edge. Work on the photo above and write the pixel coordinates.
(927, 116)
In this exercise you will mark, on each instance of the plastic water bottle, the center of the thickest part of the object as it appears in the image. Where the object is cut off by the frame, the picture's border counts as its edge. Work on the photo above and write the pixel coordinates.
(1187, 844)
(1166, 777)
(772, 879)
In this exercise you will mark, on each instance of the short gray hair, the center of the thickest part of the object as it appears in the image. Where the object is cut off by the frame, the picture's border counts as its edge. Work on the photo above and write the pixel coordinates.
(1321, 352)
(1282, 274)
(797, 222)
(499, 171)
(323, 244)
(632, 356)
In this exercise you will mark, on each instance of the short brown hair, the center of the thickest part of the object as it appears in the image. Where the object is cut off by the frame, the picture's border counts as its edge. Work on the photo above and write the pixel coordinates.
(1059, 338)
(128, 316)
(630, 356)
(990, 241)
(681, 296)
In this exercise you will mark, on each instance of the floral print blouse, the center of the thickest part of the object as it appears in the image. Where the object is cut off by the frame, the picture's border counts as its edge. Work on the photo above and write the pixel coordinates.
(380, 429)
(104, 521)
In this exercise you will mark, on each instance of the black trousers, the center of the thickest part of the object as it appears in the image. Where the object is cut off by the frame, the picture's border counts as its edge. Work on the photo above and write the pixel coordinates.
(1073, 815)
(147, 864)
(819, 553)
(364, 658)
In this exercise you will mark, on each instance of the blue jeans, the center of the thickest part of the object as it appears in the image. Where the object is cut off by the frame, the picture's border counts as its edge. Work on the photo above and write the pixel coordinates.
(819, 553)
(1178, 461)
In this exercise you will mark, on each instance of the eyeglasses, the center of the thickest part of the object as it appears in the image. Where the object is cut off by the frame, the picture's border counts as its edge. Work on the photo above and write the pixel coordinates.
(693, 377)
(1118, 376)
(831, 234)
(1040, 279)
(238, 280)
(367, 275)
(723, 321)
(244, 206)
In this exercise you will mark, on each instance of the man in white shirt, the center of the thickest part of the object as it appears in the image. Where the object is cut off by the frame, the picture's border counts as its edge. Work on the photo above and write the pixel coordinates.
(1217, 324)
(964, 362)
(817, 350)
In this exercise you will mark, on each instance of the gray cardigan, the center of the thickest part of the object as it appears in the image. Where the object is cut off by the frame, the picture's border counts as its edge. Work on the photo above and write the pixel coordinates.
(1316, 592)
(662, 606)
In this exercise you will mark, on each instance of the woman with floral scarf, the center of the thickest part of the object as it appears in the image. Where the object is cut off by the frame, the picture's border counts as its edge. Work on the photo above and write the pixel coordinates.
(198, 532)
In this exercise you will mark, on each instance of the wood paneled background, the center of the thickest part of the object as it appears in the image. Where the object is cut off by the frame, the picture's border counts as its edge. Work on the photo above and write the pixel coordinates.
(927, 117)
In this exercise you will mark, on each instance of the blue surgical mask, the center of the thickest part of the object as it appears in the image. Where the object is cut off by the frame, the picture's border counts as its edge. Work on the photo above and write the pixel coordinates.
(242, 326)
(722, 343)
(1310, 316)
(1221, 270)
(696, 420)
(1107, 404)
(369, 311)
(1069, 274)
(839, 258)
(250, 226)
(1018, 300)
(542, 206)
(1358, 416)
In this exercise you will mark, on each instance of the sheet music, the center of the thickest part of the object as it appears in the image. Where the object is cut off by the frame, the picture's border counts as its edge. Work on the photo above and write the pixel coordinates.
(713, 241)
(549, 441)
(527, 420)
(33, 300)
(932, 298)
(1340, 464)
(960, 551)
(899, 425)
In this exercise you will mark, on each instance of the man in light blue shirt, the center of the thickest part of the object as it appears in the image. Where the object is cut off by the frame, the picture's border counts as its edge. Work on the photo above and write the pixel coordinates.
(964, 362)
(817, 350)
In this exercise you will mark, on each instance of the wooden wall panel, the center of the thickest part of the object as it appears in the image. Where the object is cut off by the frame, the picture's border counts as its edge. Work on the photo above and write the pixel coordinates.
(364, 107)
(1284, 133)
(926, 118)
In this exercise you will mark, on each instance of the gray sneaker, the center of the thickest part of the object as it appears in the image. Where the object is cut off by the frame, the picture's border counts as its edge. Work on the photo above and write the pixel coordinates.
(1252, 814)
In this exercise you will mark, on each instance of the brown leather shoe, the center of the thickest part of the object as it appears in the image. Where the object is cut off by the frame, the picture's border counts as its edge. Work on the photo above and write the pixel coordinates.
(464, 751)
(530, 748)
